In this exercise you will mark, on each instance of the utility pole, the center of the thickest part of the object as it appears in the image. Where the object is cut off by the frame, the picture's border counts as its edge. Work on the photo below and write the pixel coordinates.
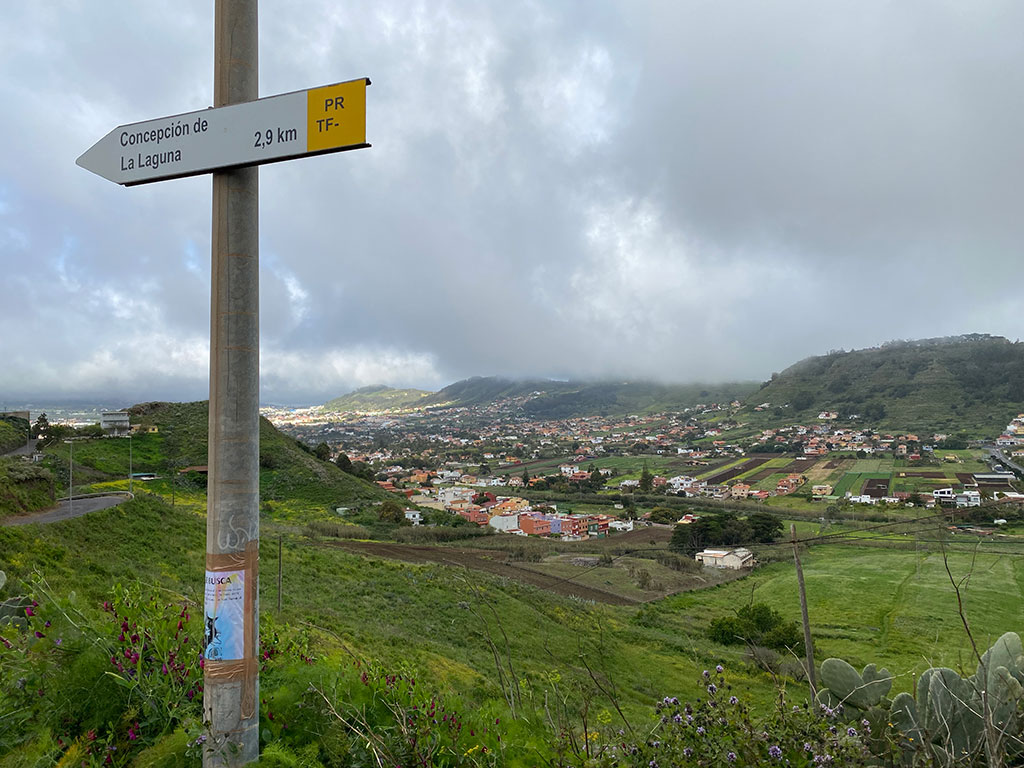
(808, 647)
(71, 475)
(231, 679)
(230, 140)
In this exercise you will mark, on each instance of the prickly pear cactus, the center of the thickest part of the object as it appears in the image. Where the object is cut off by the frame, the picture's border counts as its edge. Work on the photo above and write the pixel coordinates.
(842, 683)
(949, 712)
(944, 723)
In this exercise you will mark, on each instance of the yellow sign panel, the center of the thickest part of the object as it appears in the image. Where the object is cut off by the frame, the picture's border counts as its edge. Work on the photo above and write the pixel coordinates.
(336, 116)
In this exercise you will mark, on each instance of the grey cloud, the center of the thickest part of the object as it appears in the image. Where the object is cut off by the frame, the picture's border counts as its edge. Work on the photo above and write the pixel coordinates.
(659, 189)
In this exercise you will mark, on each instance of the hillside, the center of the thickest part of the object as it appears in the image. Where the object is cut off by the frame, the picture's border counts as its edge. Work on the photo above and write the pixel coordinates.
(973, 383)
(376, 399)
(24, 487)
(550, 676)
(12, 434)
(292, 480)
(564, 399)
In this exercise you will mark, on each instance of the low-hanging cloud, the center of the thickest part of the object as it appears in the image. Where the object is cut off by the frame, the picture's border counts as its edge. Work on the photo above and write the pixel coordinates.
(677, 191)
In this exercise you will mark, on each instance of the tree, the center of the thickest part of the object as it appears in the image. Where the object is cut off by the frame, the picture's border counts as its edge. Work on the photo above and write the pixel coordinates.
(41, 426)
(344, 463)
(392, 512)
(485, 469)
(322, 451)
(646, 480)
(362, 470)
(764, 526)
(663, 515)
(757, 625)
(526, 477)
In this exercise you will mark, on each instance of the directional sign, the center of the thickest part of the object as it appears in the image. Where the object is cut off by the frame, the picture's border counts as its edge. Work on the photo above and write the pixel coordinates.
(331, 118)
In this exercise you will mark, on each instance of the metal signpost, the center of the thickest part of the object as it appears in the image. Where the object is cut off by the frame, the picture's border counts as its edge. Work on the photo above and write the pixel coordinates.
(229, 141)
(331, 118)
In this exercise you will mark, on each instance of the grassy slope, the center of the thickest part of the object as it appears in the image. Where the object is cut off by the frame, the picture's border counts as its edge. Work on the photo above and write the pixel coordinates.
(974, 384)
(376, 399)
(24, 487)
(291, 479)
(895, 608)
(10, 436)
(433, 618)
(559, 399)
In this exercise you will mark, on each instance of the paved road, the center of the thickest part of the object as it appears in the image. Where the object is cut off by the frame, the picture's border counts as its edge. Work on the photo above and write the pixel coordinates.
(65, 510)
(1004, 459)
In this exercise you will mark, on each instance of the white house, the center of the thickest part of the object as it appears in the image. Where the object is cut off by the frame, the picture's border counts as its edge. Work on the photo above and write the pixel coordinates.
(734, 559)
(414, 516)
(968, 499)
(505, 523)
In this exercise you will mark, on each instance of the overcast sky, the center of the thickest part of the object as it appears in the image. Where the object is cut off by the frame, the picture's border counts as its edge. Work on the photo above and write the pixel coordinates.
(680, 191)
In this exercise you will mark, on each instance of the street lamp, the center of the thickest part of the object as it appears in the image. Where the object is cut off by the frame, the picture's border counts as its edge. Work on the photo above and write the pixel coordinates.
(131, 474)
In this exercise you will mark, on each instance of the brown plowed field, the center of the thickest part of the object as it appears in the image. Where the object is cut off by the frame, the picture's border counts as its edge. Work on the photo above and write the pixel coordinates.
(795, 467)
(876, 489)
(480, 560)
(729, 474)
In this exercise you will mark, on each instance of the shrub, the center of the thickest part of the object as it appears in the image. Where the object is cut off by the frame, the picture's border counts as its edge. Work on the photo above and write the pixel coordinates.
(337, 530)
(757, 624)
(104, 687)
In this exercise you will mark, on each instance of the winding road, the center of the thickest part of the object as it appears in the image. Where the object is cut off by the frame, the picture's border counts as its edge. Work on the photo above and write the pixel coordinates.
(65, 510)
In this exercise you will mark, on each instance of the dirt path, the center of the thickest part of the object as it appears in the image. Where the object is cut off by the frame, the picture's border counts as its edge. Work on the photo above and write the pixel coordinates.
(480, 560)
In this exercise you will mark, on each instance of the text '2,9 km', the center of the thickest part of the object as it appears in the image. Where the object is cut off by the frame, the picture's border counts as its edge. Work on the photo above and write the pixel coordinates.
(331, 118)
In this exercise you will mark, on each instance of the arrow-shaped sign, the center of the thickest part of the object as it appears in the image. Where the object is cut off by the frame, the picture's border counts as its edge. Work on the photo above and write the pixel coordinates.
(331, 118)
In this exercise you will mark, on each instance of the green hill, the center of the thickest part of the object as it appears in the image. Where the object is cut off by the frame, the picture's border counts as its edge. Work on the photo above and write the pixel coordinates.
(292, 480)
(972, 383)
(12, 433)
(376, 399)
(564, 399)
(24, 487)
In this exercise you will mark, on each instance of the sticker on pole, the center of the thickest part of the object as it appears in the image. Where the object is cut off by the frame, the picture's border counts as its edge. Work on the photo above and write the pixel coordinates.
(224, 634)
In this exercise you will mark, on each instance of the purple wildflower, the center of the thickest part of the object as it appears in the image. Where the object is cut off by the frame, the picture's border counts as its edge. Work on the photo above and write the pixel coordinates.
(775, 752)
